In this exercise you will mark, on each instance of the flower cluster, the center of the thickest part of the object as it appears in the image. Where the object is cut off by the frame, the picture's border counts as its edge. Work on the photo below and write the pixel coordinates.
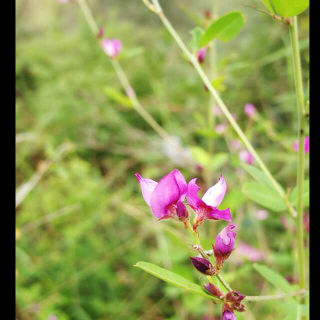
(169, 198)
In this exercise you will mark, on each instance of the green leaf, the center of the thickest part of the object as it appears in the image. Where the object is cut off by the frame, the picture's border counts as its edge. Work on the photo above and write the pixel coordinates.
(293, 198)
(264, 195)
(257, 174)
(273, 277)
(225, 28)
(289, 8)
(268, 5)
(213, 163)
(196, 33)
(174, 279)
(115, 95)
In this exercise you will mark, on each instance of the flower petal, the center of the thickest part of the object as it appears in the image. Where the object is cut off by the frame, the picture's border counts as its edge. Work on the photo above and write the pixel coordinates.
(192, 194)
(182, 211)
(214, 196)
(167, 192)
(217, 214)
(147, 187)
(181, 181)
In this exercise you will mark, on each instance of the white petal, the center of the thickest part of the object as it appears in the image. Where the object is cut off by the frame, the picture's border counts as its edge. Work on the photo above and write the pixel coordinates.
(214, 196)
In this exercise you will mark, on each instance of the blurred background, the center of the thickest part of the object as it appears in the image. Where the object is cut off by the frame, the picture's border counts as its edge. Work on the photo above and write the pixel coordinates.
(81, 221)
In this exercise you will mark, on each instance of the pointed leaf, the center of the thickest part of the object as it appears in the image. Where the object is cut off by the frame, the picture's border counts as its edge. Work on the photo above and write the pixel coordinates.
(257, 174)
(225, 28)
(293, 198)
(115, 95)
(264, 195)
(174, 279)
(289, 8)
(273, 277)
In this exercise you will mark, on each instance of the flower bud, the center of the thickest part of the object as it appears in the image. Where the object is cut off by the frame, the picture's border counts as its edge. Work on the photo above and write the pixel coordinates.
(246, 156)
(201, 54)
(227, 312)
(224, 245)
(234, 296)
(213, 290)
(111, 47)
(202, 265)
(100, 33)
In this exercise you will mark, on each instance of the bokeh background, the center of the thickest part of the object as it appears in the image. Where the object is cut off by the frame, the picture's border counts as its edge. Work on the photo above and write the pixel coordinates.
(81, 222)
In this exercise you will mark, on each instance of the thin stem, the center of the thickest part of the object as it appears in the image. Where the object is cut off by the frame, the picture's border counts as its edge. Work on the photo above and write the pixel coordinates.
(135, 102)
(88, 15)
(276, 296)
(122, 76)
(217, 98)
(301, 134)
(225, 284)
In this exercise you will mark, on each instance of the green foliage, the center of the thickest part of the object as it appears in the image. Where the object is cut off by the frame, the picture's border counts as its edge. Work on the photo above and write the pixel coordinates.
(174, 279)
(264, 196)
(293, 198)
(289, 8)
(225, 28)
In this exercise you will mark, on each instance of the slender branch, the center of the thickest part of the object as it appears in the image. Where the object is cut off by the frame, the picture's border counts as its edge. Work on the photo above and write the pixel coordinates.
(225, 284)
(122, 76)
(301, 134)
(276, 296)
(217, 98)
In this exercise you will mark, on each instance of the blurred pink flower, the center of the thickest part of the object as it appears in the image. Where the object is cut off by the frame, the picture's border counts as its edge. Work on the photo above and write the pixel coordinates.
(216, 110)
(111, 47)
(63, 1)
(236, 144)
(306, 145)
(220, 128)
(262, 214)
(252, 253)
(250, 110)
(246, 156)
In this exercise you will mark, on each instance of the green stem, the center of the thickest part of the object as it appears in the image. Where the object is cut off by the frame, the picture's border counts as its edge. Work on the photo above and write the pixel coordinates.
(217, 98)
(301, 134)
(225, 284)
(122, 76)
(276, 296)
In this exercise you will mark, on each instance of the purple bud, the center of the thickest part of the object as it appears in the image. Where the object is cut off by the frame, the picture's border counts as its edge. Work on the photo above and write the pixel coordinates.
(224, 245)
(234, 296)
(228, 315)
(202, 265)
(213, 290)
(100, 32)
(201, 54)
(250, 110)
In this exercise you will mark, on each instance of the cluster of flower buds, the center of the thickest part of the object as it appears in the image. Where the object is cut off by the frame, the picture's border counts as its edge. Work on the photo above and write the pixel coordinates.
(231, 300)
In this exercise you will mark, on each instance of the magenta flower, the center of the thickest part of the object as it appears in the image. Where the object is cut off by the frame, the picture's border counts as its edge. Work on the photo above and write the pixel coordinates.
(246, 156)
(250, 110)
(201, 54)
(206, 208)
(202, 265)
(166, 197)
(111, 47)
(224, 245)
(306, 145)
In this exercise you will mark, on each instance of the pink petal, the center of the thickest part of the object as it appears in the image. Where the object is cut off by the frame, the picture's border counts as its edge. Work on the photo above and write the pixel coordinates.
(192, 194)
(166, 193)
(217, 214)
(111, 47)
(306, 144)
(214, 196)
(147, 187)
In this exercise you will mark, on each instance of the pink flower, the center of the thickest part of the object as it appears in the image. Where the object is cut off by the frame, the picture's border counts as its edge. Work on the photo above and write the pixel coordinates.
(306, 145)
(206, 208)
(111, 47)
(217, 111)
(251, 253)
(224, 245)
(246, 156)
(166, 197)
(250, 110)
(220, 128)
(236, 144)
(262, 214)
(201, 54)
(228, 315)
